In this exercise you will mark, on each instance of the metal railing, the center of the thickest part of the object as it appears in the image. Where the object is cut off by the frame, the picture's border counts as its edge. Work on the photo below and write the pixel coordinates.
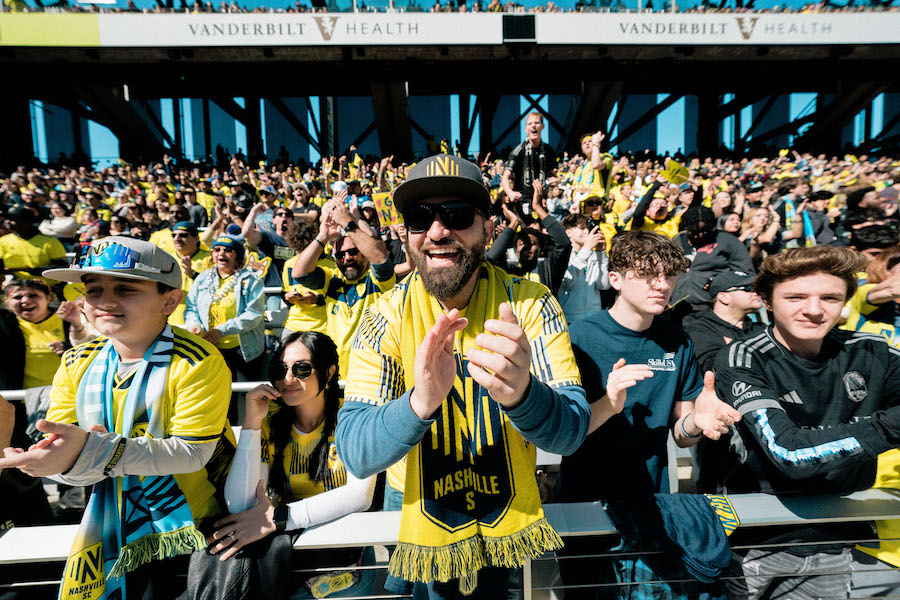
(50, 544)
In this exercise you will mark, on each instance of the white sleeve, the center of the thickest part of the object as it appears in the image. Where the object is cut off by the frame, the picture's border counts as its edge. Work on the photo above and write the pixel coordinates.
(111, 455)
(245, 473)
(354, 496)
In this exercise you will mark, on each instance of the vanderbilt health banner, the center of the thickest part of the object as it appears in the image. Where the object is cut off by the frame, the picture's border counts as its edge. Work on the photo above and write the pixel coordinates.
(718, 29)
(299, 29)
(424, 29)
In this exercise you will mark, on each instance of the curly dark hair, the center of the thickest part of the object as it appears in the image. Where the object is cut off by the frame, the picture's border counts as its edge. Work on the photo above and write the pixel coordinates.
(799, 262)
(323, 355)
(646, 255)
(300, 234)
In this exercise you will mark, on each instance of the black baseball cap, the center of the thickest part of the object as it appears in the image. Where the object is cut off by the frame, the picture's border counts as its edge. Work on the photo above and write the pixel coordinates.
(726, 280)
(443, 175)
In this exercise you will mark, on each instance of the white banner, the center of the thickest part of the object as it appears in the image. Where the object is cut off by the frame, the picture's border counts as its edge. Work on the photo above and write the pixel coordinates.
(718, 29)
(299, 29)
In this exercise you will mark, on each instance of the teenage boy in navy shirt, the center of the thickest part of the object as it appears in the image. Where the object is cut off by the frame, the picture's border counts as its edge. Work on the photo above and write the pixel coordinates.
(628, 346)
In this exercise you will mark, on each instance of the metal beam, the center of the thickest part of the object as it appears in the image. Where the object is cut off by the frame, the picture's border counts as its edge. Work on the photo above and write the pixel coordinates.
(489, 102)
(102, 105)
(707, 123)
(17, 146)
(294, 122)
(390, 102)
(231, 108)
(646, 118)
(361, 137)
(592, 113)
(758, 118)
(786, 129)
(154, 120)
(825, 133)
(738, 103)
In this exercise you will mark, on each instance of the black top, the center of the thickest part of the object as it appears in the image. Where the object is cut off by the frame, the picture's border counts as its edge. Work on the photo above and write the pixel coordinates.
(551, 266)
(724, 253)
(526, 167)
(810, 426)
(710, 333)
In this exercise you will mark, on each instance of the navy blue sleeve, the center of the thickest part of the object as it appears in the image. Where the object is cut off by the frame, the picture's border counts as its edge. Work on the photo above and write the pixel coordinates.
(370, 438)
(555, 420)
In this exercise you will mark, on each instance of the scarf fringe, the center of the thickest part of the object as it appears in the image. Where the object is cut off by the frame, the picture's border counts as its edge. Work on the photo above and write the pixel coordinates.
(157, 546)
(512, 550)
(412, 562)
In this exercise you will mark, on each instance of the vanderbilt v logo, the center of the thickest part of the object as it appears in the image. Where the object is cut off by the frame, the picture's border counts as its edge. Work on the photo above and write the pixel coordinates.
(444, 165)
(326, 26)
(746, 25)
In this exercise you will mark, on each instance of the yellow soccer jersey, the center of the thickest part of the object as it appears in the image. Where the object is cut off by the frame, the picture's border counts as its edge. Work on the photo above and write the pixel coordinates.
(163, 239)
(588, 181)
(881, 319)
(40, 361)
(200, 261)
(195, 405)
(345, 302)
(223, 311)
(376, 360)
(306, 317)
(35, 252)
(668, 228)
(297, 458)
(887, 476)
(207, 201)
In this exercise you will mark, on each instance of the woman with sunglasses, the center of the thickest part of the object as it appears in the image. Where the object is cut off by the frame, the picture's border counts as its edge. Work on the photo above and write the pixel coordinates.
(286, 452)
(225, 306)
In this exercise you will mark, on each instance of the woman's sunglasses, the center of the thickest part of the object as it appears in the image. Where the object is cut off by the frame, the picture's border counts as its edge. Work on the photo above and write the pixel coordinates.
(454, 215)
(301, 370)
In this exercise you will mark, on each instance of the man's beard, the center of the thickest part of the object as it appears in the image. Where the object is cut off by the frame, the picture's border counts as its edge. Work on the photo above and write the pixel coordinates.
(445, 283)
(351, 271)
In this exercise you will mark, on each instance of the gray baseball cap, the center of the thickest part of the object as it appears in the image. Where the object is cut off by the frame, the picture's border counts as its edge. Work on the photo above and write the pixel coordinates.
(443, 175)
(125, 257)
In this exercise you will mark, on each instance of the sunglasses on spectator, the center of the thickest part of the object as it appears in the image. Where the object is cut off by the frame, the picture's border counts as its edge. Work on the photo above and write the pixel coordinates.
(284, 214)
(301, 370)
(453, 215)
(177, 236)
(350, 252)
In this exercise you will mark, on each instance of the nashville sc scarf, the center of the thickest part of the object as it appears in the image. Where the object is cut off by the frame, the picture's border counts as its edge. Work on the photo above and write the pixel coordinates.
(129, 520)
(471, 500)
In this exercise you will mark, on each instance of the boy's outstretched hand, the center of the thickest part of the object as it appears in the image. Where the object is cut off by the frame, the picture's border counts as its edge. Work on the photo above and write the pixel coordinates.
(54, 454)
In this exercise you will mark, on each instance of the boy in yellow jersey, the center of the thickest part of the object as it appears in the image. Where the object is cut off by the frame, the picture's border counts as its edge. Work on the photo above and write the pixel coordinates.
(139, 414)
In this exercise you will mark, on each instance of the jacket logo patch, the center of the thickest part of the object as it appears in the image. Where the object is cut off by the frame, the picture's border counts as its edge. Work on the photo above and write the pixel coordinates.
(855, 385)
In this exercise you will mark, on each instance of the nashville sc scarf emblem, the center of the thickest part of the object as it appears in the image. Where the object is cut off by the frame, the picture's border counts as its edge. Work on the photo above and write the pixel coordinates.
(475, 503)
(470, 495)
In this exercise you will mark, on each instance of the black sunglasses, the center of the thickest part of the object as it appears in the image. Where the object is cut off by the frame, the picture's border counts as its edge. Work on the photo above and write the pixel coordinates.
(284, 214)
(350, 252)
(301, 370)
(454, 215)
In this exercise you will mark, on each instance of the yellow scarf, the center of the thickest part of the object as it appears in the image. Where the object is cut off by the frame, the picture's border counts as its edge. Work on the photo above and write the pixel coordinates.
(471, 500)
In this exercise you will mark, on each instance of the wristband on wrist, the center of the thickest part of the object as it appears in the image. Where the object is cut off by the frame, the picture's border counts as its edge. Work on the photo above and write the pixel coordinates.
(684, 431)
(321, 243)
(280, 518)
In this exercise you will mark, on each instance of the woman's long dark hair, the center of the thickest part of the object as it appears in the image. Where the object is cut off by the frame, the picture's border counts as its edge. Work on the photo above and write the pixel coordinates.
(323, 354)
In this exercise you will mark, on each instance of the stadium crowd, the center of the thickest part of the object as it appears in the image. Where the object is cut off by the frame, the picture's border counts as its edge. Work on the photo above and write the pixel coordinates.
(640, 255)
